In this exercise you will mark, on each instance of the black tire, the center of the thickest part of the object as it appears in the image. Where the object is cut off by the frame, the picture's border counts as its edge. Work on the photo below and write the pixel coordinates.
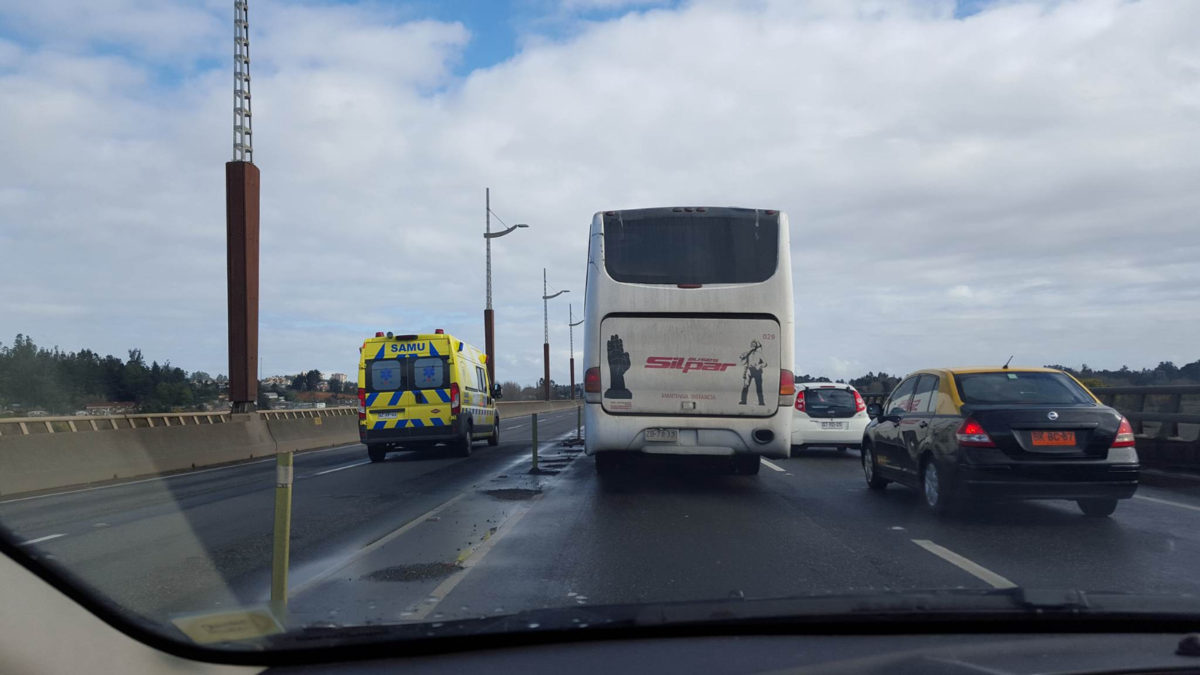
(607, 463)
(462, 445)
(377, 453)
(936, 489)
(494, 439)
(871, 469)
(1097, 507)
(746, 464)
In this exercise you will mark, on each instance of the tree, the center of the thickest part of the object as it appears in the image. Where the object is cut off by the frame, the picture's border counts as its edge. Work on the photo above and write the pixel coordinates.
(311, 379)
(299, 383)
(335, 386)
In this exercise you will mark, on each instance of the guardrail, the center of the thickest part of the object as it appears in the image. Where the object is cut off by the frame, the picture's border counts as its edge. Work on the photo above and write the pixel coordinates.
(28, 426)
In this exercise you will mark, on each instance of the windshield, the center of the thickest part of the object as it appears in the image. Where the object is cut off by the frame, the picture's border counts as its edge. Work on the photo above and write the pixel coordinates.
(1018, 388)
(415, 314)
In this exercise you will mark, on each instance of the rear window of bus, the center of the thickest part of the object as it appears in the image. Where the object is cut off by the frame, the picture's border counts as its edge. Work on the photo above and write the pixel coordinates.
(691, 249)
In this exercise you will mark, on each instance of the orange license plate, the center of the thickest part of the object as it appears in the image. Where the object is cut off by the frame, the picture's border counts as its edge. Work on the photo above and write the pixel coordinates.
(1053, 437)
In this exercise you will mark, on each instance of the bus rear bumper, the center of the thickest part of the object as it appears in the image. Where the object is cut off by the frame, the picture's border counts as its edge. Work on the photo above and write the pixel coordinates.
(701, 437)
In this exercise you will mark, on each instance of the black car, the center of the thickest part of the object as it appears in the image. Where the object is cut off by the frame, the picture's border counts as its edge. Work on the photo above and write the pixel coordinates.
(1000, 433)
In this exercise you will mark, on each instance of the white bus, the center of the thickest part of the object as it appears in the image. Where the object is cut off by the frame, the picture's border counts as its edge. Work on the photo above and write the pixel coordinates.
(689, 323)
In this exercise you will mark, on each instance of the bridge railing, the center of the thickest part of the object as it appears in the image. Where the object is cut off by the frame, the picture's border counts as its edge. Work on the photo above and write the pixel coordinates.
(1163, 412)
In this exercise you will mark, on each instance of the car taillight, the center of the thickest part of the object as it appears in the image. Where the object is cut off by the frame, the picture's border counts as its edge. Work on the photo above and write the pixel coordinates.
(591, 381)
(800, 401)
(971, 434)
(362, 404)
(787, 384)
(859, 404)
(455, 405)
(1125, 438)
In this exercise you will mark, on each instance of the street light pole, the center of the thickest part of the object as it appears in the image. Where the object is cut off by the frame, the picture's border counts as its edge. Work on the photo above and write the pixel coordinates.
(489, 316)
(489, 327)
(546, 334)
(571, 323)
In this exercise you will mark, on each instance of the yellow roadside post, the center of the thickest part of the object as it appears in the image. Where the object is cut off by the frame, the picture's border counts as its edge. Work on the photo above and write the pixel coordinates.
(282, 535)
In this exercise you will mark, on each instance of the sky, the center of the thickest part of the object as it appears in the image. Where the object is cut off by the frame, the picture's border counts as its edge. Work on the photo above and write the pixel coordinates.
(965, 181)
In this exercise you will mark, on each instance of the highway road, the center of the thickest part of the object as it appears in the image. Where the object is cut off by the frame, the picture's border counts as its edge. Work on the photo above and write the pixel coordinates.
(426, 538)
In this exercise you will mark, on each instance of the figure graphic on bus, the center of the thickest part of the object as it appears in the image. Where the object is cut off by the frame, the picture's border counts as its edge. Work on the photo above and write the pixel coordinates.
(618, 364)
(754, 363)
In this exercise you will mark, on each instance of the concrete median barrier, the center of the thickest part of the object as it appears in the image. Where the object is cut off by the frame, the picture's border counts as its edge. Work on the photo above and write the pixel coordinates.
(55, 453)
(48, 461)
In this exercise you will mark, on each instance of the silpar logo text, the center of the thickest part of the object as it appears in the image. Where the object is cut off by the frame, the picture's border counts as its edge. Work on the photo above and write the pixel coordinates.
(686, 364)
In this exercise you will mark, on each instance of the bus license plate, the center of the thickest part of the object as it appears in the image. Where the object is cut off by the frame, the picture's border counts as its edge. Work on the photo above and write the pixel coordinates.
(833, 425)
(387, 416)
(657, 434)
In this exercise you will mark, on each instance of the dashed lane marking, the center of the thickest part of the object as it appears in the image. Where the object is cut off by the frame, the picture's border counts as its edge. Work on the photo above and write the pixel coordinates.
(41, 539)
(974, 569)
(1167, 502)
(773, 465)
(341, 468)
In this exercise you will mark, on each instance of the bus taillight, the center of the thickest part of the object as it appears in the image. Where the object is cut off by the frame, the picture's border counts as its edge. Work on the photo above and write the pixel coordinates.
(787, 387)
(591, 383)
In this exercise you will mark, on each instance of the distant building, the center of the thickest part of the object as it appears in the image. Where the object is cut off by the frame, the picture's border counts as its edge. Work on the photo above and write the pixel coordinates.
(340, 377)
(111, 408)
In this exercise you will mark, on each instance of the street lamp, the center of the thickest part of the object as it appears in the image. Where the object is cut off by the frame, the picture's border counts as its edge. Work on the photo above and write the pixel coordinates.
(546, 333)
(489, 317)
(571, 323)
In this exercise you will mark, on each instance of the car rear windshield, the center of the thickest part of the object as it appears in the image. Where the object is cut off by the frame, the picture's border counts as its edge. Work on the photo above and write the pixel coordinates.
(690, 248)
(831, 400)
(1010, 387)
(407, 373)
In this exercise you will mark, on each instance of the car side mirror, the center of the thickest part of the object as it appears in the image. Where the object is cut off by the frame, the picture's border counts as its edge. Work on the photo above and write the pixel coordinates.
(497, 393)
(874, 410)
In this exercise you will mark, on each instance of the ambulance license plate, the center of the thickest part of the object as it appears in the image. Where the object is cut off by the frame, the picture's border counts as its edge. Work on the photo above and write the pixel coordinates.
(659, 434)
(387, 416)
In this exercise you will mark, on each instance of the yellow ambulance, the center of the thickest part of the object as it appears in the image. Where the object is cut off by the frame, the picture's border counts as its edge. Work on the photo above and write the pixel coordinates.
(416, 391)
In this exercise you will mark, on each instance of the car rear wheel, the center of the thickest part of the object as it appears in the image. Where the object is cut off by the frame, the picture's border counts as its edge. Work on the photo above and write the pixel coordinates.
(871, 469)
(935, 488)
(1098, 507)
(377, 453)
(494, 439)
(746, 465)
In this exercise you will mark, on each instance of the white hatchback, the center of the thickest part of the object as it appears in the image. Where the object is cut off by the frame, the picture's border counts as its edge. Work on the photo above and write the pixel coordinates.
(828, 414)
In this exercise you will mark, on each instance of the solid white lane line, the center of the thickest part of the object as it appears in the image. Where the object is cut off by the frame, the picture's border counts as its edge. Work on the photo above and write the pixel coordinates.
(978, 571)
(1167, 502)
(443, 589)
(773, 465)
(324, 574)
(41, 539)
(340, 468)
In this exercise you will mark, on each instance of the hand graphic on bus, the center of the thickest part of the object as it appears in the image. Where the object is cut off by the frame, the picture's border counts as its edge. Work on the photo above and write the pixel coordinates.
(618, 364)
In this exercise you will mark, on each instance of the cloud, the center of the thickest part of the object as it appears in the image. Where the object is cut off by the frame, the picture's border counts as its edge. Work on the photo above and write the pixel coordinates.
(1019, 180)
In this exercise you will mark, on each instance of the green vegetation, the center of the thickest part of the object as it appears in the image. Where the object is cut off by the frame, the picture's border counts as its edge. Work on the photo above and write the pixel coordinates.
(35, 378)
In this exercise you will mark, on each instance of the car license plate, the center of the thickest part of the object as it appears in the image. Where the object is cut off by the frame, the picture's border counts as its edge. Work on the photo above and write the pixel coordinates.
(387, 416)
(1053, 437)
(657, 434)
(833, 425)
